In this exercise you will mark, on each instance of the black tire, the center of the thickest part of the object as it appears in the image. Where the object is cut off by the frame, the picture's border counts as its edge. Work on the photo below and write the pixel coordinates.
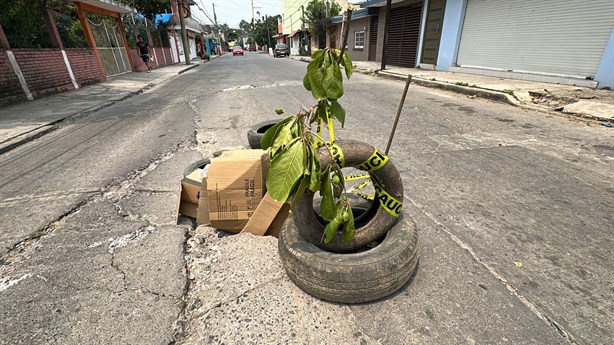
(351, 278)
(255, 133)
(196, 165)
(370, 226)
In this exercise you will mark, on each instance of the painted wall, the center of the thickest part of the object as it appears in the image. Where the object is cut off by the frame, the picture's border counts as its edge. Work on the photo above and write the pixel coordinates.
(451, 33)
(357, 54)
(605, 72)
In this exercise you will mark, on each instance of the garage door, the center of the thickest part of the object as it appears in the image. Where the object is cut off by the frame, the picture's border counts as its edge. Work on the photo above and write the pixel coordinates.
(403, 34)
(548, 36)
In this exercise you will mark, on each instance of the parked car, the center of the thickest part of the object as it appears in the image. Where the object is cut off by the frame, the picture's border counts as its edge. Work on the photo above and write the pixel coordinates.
(251, 48)
(237, 50)
(281, 50)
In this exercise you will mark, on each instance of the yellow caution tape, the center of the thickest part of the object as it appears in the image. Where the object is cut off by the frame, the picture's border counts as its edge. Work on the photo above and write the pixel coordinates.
(337, 154)
(387, 201)
(362, 185)
(365, 196)
(375, 162)
(356, 177)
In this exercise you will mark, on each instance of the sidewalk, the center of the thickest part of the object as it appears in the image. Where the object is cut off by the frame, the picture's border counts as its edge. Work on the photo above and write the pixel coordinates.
(27, 121)
(538, 96)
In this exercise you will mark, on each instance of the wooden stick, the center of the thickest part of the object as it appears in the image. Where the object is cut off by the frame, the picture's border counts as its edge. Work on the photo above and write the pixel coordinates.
(396, 120)
(346, 31)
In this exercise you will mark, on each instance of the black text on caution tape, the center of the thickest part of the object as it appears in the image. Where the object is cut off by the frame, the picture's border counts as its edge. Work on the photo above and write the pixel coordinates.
(376, 161)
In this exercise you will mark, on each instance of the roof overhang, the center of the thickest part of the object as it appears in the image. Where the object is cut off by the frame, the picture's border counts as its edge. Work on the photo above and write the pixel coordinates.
(378, 3)
(109, 5)
(357, 14)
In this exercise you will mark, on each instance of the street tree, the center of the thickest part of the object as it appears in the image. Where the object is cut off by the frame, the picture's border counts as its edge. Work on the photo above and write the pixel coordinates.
(264, 30)
(149, 8)
(315, 17)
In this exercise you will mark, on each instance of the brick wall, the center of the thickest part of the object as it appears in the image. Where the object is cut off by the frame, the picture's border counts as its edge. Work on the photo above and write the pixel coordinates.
(159, 62)
(44, 70)
(10, 89)
(84, 66)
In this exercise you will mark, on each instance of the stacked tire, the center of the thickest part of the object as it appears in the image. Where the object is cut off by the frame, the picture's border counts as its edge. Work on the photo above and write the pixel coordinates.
(383, 254)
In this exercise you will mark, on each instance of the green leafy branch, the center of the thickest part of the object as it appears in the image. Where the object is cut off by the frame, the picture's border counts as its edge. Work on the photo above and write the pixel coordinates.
(293, 145)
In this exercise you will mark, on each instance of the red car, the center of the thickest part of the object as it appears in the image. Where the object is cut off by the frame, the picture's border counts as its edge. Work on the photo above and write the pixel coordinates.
(236, 50)
(251, 48)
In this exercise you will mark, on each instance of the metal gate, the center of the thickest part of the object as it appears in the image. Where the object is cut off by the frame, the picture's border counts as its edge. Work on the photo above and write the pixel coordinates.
(373, 39)
(403, 35)
(110, 44)
(553, 37)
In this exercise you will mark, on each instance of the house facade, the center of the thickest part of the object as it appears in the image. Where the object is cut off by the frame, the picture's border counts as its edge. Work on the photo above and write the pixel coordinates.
(296, 34)
(568, 42)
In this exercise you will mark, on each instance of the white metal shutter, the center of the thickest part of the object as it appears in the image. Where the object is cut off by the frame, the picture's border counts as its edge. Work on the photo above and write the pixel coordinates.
(548, 36)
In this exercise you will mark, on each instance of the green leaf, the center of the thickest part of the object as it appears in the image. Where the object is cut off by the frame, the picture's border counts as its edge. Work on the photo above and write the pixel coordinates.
(338, 112)
(316, 78)
(316, 174)
(279, 111)
(306, 82)
(283, 138)
(286, 168)
(348, 228)
(330, 230)
(347, 64)
(269, 136)
(317, 54)
(333, 84)
(301, 188)
(322, 112)
(327, 205)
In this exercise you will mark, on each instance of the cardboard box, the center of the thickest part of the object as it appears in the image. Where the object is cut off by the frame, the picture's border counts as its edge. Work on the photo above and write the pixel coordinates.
(268, 217)
(235, 187)
(193, 197)
(189, 194)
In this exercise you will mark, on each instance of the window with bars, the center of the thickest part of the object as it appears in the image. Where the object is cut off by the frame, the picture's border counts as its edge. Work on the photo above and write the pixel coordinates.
(359, 39)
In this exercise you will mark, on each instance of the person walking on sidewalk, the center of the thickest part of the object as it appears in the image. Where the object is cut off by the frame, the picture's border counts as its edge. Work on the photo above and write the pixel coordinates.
(144, 51)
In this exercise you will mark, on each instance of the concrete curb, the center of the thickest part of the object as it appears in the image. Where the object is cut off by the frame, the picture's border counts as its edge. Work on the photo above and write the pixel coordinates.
(476, 91)
(191, 66)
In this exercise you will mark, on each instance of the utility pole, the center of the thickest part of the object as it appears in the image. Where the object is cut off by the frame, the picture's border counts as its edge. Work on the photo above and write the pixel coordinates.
(268, 30)
(251, 28)
(386, 25)
(303, 34)
(220, 36)
(184, 34)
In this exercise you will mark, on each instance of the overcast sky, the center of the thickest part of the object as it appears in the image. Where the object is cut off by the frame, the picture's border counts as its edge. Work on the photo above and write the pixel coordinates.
(232, 11)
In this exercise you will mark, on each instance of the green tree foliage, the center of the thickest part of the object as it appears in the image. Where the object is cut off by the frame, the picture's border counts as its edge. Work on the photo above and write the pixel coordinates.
(232, 34)
(293, 144)
(22, 22)
(264, 30)
(315, 15)
(149, 8)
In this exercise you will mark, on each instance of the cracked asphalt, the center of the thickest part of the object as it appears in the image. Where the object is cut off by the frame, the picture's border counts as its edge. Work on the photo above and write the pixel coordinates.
(514, 208)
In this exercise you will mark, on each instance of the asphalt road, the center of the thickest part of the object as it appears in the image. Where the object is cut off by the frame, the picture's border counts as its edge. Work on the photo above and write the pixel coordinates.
(515, 211)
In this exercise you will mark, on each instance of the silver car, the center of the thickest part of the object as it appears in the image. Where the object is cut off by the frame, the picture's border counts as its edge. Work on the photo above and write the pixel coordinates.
(281, 50)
